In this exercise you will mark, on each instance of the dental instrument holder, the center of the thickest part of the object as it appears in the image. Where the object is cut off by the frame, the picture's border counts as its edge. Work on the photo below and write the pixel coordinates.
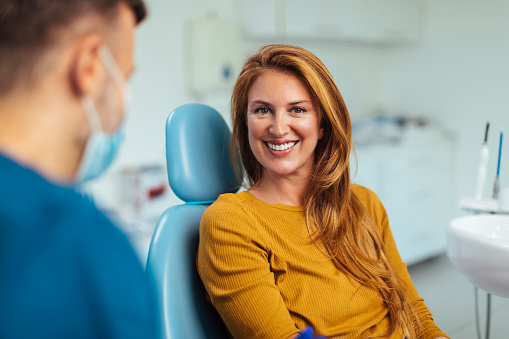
(496, 185)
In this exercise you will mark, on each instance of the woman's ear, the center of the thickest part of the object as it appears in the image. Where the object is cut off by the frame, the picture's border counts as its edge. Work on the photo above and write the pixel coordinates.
(322, 125)
(86, 69)
(320, 133)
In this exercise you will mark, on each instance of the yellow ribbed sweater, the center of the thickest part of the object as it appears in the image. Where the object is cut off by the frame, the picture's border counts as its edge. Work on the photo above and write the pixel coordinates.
(267, 280)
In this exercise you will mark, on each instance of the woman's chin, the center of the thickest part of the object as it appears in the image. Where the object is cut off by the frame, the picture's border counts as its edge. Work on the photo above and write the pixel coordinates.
(282, 172)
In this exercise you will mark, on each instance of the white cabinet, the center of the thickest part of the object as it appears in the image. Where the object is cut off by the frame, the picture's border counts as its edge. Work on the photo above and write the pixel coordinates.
(414, 182)
(377, 21)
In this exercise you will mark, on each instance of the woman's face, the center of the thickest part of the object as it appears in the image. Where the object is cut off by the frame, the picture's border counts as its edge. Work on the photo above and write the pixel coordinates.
(283, 125)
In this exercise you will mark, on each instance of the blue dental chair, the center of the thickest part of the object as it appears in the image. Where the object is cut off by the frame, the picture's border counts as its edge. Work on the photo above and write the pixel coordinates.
(199, 170)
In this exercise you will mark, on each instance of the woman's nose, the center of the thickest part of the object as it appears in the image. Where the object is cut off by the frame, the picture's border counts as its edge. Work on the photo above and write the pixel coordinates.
(279, 126)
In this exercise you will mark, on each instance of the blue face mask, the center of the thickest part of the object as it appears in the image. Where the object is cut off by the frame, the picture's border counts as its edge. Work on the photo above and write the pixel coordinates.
(101, 148)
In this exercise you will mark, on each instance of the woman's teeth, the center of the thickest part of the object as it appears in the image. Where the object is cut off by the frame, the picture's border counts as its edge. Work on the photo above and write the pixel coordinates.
(281, 147)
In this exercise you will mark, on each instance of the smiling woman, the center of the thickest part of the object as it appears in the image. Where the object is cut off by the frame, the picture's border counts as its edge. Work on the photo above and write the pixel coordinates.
(302, 247)
(283, 126)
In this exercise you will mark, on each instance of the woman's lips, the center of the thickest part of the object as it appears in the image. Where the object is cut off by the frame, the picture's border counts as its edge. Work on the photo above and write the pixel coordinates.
(280, 148)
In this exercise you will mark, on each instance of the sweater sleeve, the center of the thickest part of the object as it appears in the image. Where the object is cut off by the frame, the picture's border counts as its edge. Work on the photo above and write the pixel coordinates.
(233, 265)
(430, 330)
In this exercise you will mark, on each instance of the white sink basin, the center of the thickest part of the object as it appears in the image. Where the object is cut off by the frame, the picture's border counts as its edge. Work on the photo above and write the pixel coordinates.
(479, 247)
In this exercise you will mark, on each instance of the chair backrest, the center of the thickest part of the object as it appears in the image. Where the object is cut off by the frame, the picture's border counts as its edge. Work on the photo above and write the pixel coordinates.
(199, 170)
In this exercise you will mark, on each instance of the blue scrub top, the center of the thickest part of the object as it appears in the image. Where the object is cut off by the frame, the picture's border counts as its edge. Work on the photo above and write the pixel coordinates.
(65, 270)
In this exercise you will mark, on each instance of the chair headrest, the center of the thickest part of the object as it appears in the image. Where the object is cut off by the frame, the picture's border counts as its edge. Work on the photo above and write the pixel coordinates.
(198, 154)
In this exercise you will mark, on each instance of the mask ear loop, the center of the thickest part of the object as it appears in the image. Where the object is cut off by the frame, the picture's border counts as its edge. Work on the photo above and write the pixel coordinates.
(91, 113)
(114, 71)
(116, 74)
(111, 65)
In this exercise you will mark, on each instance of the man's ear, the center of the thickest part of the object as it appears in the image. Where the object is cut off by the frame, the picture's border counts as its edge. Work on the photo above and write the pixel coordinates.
(86, 70)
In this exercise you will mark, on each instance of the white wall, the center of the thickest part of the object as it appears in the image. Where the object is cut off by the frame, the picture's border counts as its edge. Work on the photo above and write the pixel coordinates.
(459, 76)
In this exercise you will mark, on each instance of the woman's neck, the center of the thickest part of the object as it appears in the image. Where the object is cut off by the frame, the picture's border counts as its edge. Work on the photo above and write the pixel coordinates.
(281, 190)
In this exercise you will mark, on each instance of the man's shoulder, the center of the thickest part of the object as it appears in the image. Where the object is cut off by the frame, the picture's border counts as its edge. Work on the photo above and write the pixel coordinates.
(74, 253)
(27, 198)
(30, 204)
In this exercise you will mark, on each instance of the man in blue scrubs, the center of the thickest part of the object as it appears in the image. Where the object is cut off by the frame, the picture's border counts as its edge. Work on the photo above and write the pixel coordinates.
(65, 270)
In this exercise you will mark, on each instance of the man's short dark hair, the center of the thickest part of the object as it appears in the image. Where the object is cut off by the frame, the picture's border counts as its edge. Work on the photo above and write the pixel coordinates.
(28, 28)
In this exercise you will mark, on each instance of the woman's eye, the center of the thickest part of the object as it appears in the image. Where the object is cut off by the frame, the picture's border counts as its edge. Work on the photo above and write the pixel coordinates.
(298, 110)
(262, 110)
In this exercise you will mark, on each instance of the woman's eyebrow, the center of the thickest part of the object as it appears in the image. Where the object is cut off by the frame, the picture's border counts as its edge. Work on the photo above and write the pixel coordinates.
(290, 103)
(259, 102)
(299, 102)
